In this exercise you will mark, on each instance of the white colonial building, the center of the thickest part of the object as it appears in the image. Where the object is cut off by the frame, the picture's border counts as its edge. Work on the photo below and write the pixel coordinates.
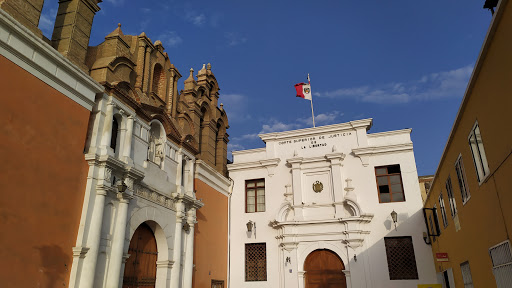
(313, 209)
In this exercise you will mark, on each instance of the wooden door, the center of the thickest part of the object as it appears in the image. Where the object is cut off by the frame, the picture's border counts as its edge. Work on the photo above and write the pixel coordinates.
(140, 268)
(324, 269)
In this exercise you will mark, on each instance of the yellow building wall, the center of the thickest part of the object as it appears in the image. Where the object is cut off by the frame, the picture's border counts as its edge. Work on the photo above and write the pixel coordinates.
(486, 218)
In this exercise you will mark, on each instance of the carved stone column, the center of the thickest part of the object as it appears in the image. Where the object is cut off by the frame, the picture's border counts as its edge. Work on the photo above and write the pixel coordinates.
(116, 254)
(189, 252)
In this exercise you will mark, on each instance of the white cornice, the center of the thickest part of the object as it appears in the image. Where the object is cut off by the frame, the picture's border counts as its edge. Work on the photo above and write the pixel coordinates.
(277, 136)
(364, 153)
(32, 54)
(211, 177)
(270, 164)
(249, 151)
(390, 133)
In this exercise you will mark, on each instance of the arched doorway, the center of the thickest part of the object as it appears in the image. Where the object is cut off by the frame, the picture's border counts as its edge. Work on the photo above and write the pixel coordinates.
(140, 268)
(324, 269)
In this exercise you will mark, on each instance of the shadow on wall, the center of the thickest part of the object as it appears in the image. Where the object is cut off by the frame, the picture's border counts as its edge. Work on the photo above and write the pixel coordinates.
(55, 265)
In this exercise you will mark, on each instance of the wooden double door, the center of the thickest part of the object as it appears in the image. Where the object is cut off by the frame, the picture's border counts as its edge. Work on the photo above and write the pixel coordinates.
(140, 268)
(324, 269)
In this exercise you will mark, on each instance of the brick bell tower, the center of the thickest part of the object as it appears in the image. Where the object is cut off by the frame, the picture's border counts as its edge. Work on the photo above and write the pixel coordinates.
(73, 29)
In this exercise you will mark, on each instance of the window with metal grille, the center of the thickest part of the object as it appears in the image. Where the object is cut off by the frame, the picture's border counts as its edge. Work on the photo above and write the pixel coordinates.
(451, 200)
(389, 184)
(501, 257)
(443, 209)
(255, 195)
(466, 275)
(401, 259)
(256, 262)
(461, 176)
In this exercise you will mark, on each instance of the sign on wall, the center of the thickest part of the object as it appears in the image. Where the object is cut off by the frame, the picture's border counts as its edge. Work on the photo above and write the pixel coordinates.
(442, 257)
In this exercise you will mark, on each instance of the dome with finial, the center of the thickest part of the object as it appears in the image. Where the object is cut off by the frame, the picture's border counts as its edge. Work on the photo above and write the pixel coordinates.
(202, 71)
(190, 82)
(158, 43)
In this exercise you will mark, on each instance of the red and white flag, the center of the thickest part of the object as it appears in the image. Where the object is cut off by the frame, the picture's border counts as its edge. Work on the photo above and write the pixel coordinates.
(303, 90)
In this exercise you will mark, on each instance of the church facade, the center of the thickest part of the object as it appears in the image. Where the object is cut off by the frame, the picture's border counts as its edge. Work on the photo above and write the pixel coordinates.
(331, 205)
(136, 160)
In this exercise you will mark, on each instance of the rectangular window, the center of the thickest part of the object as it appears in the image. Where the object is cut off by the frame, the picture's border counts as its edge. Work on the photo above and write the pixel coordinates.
(451, 200)
(461, 176)
(401, 259)
(434, 223)
(501, 258)
(256, 262)
(255, 195)
(389, 184)
(478, 153)
(443, 210)
(466, 275)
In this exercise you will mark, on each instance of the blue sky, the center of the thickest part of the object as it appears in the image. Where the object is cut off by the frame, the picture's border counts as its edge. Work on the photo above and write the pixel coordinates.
(403, 63)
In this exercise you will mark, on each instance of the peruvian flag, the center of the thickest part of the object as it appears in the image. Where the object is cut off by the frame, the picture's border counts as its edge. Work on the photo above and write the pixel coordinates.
(303, 90)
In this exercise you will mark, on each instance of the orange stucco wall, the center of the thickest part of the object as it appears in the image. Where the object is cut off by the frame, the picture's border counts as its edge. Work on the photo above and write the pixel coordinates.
(486, 218)
(43, 174)
(211, 237)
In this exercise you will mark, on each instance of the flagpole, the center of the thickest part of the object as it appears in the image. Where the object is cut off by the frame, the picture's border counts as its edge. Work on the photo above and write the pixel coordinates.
(312, 113)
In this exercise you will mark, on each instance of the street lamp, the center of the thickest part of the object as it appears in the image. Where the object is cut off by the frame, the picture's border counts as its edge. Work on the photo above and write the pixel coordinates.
(250, 225)
(121, 187)
(394, 216)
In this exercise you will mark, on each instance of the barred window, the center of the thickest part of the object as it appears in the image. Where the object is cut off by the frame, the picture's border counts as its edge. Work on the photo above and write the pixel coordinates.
(401, 259)
(461, 176)
(256, 262)
(451, 199)
(255, 195)
(501, 257)
(466, 275)
(389, 184)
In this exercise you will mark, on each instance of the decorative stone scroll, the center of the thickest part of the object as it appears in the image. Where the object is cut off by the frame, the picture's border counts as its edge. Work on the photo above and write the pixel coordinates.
(155, 197)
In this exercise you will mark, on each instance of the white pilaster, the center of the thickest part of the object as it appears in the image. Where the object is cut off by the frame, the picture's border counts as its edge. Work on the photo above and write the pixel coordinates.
(179, 174)
(189, 252)
(128, 140)
(336, 164)
(116, 254)
(107, 127)
(297, 187)
(190, 177)
(176, 268)
(93, 241)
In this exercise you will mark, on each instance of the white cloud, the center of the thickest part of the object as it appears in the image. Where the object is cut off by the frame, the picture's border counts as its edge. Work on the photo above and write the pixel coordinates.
(234, 39)
(195, 18)
(252, 136)
(277, 126)
(170, 39)
(274, 125)
(443, 84)
(322, 119)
